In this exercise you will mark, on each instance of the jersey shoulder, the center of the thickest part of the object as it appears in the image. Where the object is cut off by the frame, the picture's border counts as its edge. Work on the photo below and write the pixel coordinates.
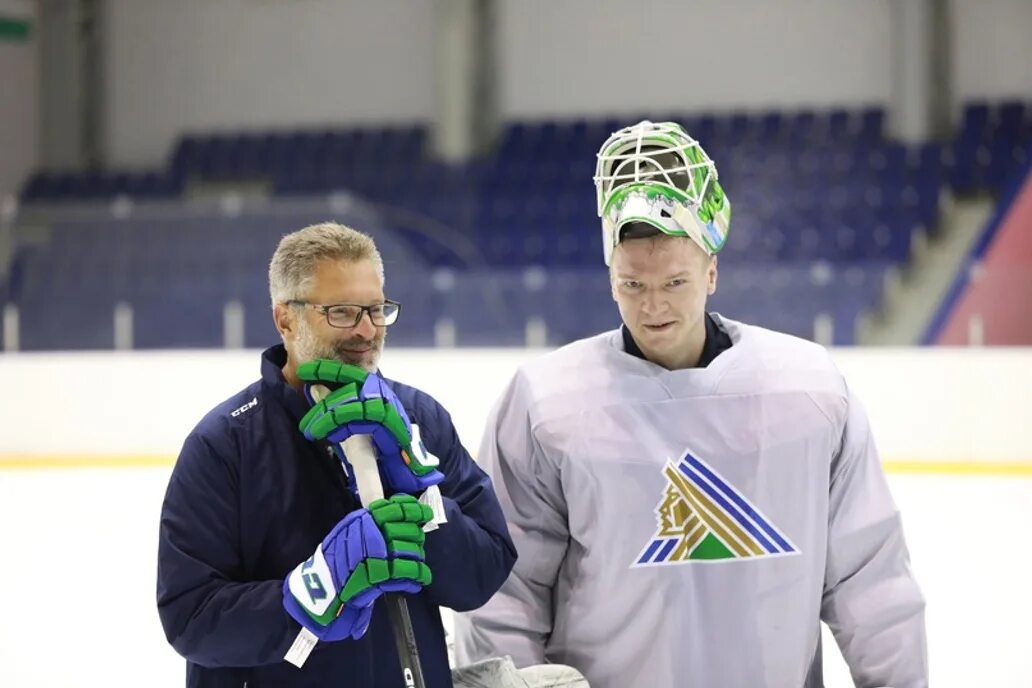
(773, 362)
(577, 365)
(573, 377)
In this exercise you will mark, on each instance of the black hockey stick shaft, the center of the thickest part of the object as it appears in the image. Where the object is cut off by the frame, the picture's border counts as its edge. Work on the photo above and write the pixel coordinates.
(405, 639)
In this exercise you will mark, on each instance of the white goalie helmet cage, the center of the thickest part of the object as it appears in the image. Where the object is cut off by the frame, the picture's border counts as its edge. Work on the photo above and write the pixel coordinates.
(655, 173)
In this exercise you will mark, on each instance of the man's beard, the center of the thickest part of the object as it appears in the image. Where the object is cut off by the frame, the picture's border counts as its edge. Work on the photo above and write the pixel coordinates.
(308, 347)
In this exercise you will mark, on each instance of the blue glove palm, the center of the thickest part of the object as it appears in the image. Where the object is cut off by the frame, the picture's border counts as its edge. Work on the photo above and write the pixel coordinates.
(370, 552)
(365, 404)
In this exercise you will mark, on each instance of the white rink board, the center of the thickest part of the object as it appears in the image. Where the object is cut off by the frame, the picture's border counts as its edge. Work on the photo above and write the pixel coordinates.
(927, 404)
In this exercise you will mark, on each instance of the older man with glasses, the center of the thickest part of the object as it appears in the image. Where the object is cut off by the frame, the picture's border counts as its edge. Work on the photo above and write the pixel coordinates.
(264, 537)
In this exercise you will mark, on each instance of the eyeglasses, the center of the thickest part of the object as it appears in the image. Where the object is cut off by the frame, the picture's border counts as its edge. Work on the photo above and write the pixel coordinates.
(350, 314)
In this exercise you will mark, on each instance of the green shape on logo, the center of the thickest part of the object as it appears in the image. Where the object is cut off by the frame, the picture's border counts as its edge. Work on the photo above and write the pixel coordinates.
(711, 548)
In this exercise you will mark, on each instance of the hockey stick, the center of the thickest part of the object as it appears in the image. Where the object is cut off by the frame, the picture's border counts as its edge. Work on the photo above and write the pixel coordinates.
(362, 457)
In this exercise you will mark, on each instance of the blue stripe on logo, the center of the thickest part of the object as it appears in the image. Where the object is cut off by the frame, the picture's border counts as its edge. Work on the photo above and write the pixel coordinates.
(667, 549)
(650, 551)
(690, 463)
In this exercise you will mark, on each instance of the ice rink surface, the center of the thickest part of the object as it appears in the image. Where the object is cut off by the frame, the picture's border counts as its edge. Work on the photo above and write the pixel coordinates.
(79, 551)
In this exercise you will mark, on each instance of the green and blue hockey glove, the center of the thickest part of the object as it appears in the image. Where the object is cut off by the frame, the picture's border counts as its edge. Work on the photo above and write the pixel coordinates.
(362, 403)
(370, 552)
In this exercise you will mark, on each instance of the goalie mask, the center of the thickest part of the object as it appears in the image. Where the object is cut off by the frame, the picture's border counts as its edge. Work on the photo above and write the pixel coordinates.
(657, 174)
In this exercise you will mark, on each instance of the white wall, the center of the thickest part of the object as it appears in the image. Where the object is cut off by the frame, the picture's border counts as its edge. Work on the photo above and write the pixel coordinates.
(580, 56)
(924, 404)
(198, 65)
(229, 64)
(993, 49)
(18, 96)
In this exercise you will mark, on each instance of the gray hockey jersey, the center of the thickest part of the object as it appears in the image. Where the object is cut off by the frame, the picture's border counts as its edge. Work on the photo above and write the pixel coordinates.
(691, 527)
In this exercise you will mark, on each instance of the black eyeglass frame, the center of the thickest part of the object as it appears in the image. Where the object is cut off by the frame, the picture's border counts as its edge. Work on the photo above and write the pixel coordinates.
(324, 308)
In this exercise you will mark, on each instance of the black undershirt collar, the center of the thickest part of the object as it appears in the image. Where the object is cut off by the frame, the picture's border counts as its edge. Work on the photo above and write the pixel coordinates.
(717, 341)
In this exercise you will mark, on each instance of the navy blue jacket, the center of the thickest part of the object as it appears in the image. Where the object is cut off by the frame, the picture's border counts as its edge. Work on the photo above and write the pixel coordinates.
(250, 498)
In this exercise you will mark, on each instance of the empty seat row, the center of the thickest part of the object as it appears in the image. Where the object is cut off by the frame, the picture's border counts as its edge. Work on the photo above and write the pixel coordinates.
(478, 307)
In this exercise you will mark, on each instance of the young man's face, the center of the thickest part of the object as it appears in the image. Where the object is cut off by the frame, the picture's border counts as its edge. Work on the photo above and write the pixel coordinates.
(660, 284)
(312, 337)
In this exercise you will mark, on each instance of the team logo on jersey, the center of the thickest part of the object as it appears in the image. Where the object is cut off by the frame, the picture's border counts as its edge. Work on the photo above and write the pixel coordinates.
(703, 518)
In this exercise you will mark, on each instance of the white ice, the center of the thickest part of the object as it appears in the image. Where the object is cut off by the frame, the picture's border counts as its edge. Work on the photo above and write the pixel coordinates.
(79, 550)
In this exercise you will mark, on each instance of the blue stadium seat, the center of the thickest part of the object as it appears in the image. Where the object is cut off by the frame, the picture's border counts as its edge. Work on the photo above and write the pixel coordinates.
(179, 316)
(872, 123)
(421, 308)
(838, 124)
(486, 308)
(70, 307)
(770, 127)
(812, 185)
(575, 304)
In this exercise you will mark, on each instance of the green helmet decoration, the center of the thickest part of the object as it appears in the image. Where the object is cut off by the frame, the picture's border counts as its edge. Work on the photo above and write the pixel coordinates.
(654, 172)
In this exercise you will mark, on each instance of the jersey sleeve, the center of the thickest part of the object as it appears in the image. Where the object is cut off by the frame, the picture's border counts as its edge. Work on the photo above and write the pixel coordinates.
(518, 619)
(871, 602)
(209, 615)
